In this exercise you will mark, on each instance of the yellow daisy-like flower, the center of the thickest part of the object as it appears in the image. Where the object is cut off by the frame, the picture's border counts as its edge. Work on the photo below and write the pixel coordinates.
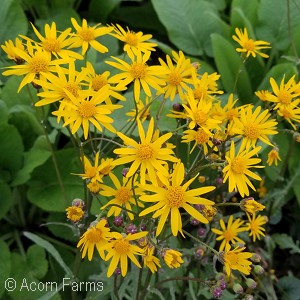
(134, 42)
(37, 64)
(236, 259)
(83, 111)
(172, 258)
(106, 166)
(74, 213)
(290, 113)
(254, 126)
(55, 44)
(94, 187)
(122, 196)
(249, 46)
(273, 157)
(255, 226)
(177, 77)
(209, 212)
(251, 206)
(263, 95)
(147, 156)
(142, 110)
(151, 261)
(262, 190)
(229, 234)
(54, 85)
(9, 49)
(174, 196)
(237, 169)
(86, 35)
(98, 235)
(137, 72)
(120, 249)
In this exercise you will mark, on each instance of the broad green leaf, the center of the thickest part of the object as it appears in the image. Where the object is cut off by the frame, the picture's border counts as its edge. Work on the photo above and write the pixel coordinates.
(13, 20)
(6, 199)
(274, 24)
(294, 167)
(244, 13)
(285, 241)
(220, 4)
(291, 287)
(46, 192)
(100, 10)
(35, 157)
(33, 253)
(50, 249)
(190, 23)
(3, 112)
(230, 67)
(5, 264)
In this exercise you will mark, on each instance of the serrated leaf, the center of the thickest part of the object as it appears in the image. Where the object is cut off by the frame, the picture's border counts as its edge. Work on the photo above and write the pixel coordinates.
(184, 21)
(285, 241)
(5, 264)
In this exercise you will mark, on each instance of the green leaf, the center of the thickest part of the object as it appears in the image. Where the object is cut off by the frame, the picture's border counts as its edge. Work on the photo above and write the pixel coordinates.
(51, 249)
(244, 13)
(291, 288)
(220, 4)
(35, 252)
(3, 112)
(13, 20)
(100, 10)
(5, 264)
(6, 199)
(190, 23)
(285, 241)
(231, 68)
(35, 157)
(44, 187)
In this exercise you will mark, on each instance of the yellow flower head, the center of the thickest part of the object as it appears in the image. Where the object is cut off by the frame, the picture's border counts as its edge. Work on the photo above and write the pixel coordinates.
(273, 157)
(249, 46)
(251, 206)
(209, 212)
(174, 196)
(290, 113)
(229, 234)
(146, 156)
(74, 213)
(120, 249)
(255, 226)
(9, 49)
(237, 169)
(134, 42)
(172, 258)
(151, 261)
(97, 236)
(142, 111)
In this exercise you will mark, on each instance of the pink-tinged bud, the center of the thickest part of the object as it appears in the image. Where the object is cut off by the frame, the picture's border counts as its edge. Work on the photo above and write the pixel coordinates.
(194, 222)
(217, 292)
(251, 284)
(131, 228)
(143, 227)
(78, 202)
(219, 180)
(201, 232)
(125, 171)
(255, 258)
(177, 107)
(258, 270)
(118, 221)
(238, 289)
(118, 271)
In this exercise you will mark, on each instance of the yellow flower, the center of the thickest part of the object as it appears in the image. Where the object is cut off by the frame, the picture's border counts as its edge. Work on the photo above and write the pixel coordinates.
(85, 36)
(83, 111)
(273, 157)
(262, 190)
(174, 196)
(55, 44)
(172, 258)
(122, 196)
(237, 169)
(251, 206)
(74, 213)
(254, 126)
(249, 46)
(263, 95)
(151, 261)
(137, 72)
(120, 249)
(177, 77)
(255, 226)
(94, 187)
(134, 42)
(9, 49)
(146, 156)
(37, 64)
(290, 113)
(229, 234)
(209, 212)
(97, 235)
(142, 110)
(236, 259)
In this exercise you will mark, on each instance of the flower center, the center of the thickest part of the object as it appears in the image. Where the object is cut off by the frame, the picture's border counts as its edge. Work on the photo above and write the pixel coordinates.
(231, 258)
(228, 235)
(123, 194)
(94, 235)
(175, 78)
(238, 165)
(38, 64)
(87, 34)
(286, 114)
(252, 131)
(98, 82)
(284, 97)
(254, 225)
(73, 88)
(51, 45)
(145, 152)
(249, 45)
(122, 246)
(200, 117)
(138, 70)
(200, 93)
(175, 196)
(87, 109)
(91, 172)
(201, 136)
(131, 39)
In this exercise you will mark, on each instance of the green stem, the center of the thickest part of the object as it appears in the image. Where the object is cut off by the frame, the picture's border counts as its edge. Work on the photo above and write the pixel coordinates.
(146, 283)
(116, 288)
(139, 283)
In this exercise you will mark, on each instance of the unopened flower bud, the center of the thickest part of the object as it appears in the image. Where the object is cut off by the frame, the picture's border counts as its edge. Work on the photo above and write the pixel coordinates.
(258, 270)
(199, 252)
(251, 284)
(238, 289)
(255, 258)
(219, 180)
(78, 202)
(220, 276)
(118, 221)
(201, 179)
(143, 227)
(248, 297)
(177, 107)
(194, 222)
(201, 232)
(118, 271)
(131, 228)
(222, 284)
(217, 292)
(125, 171)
